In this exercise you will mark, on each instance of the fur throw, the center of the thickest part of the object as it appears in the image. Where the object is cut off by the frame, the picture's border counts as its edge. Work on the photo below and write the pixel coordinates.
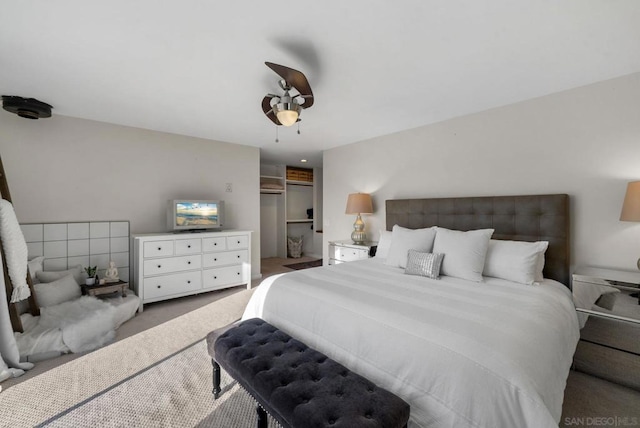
(87, 323)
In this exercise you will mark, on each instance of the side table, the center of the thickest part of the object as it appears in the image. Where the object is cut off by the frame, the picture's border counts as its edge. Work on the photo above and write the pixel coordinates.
(108, 288)
(347, 251)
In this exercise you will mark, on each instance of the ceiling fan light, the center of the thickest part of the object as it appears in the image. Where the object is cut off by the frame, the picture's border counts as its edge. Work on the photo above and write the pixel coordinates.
(287, 113)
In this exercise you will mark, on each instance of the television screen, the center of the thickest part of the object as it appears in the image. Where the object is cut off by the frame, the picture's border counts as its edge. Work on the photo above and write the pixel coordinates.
(196, 214)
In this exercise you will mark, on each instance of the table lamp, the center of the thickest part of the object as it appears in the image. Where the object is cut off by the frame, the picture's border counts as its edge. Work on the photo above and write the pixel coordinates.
(359, 203)
(631, 208)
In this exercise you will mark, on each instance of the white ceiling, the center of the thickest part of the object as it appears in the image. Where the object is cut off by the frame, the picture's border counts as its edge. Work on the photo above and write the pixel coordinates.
(196, 67)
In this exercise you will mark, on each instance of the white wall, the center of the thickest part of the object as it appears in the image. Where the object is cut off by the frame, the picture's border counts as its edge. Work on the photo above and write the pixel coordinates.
(68, 169)
(584, 142)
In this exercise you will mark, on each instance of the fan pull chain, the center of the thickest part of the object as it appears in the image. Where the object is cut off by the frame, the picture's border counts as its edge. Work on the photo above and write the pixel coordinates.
(277, 141)
(298, 128)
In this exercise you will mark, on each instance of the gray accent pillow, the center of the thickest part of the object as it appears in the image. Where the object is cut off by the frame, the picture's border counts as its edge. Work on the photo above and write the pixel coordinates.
(424, 264)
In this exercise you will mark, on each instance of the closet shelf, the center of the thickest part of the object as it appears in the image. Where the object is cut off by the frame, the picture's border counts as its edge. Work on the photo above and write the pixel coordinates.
(300, 183)
(306, 220)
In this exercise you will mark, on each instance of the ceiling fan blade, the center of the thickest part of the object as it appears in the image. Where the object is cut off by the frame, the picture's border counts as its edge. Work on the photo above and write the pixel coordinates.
(293, 77)
(268, 110)
(308, 100)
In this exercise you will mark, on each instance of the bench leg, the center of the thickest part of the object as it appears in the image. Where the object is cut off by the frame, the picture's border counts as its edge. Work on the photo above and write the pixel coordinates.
(262, 417)
(216, 379)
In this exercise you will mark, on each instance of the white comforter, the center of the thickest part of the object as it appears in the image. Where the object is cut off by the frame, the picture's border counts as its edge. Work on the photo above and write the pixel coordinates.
(462, 354)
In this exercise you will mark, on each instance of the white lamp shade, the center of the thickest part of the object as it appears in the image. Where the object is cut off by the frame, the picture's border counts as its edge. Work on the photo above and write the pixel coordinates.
(359, 203)
(287, 117)
(631, 204)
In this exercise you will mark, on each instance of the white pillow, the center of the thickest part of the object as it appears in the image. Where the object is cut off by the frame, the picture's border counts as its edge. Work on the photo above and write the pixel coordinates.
(49, 276)
(464, 252)
(35, 265)
(56, 292)
(515, 261)
(403, 240)
(384, 243)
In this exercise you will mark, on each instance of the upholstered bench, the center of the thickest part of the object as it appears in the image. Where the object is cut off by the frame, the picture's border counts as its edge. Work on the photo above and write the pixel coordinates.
(297, 385)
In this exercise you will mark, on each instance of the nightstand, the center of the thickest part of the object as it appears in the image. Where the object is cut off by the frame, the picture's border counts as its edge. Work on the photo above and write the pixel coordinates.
(609, 320)
(347, 251)
(602, 286)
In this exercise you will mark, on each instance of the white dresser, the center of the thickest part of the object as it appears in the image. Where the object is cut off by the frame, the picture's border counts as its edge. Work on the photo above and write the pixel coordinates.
(169, 265)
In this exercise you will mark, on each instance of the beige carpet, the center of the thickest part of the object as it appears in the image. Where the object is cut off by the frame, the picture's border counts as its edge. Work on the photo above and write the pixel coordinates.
(173, 393)
(42, 397)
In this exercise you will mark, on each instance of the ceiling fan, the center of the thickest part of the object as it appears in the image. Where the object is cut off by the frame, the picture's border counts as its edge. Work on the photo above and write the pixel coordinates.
(286, 108)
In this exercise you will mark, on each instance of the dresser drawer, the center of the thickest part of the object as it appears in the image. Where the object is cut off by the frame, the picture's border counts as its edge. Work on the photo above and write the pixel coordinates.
(226, 258)
(173, 264)
(237, 242)
(167, 285)
(351, 254)
(212, 278)
(188, 246)
(214, 244)
(158, 249)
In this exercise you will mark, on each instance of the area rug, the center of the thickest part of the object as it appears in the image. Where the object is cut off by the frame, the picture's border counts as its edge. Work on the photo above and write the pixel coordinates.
(305, 265)
(61, 393)
(175, 392)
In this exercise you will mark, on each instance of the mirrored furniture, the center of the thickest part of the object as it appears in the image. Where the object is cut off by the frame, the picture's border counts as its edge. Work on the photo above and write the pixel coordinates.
(609, 315)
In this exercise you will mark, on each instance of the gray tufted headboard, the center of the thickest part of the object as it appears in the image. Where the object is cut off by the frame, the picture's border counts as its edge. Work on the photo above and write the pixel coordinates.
(519, 218)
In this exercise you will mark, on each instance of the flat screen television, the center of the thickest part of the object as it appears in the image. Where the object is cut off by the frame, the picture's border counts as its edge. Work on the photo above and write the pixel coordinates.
(185, 214)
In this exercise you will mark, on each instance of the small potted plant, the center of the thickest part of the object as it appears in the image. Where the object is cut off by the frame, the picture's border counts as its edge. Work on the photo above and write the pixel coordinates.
(91, 275)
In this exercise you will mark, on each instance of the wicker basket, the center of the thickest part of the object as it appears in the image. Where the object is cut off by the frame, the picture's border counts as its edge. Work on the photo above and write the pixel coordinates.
(299, 174)
(294, 245)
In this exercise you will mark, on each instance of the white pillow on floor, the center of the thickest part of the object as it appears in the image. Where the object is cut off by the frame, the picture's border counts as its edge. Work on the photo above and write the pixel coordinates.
(56, 292)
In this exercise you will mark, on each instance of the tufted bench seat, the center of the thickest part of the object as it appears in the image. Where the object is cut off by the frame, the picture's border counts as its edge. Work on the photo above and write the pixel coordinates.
(297, 385)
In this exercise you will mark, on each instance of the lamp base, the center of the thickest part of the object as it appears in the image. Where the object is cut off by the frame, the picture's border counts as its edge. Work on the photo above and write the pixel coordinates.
(358, 236)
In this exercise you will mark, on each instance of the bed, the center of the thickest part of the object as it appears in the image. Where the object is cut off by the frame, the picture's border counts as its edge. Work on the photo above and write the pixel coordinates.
(462, 353)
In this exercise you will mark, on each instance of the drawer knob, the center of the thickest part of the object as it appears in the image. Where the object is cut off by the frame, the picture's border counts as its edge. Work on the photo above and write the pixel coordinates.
(238, 273)
(159, 248)
(159, 266)
(189, 262)
(188, 246)
(215, 260)
(159, 286)
(188, 282)
(238, 242)
(215, 243)
(215, 277)
(238, 256)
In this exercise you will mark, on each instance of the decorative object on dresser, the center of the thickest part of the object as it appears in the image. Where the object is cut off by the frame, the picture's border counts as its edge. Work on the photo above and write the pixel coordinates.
(359, 203)
(347, 251)
(171, 265)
